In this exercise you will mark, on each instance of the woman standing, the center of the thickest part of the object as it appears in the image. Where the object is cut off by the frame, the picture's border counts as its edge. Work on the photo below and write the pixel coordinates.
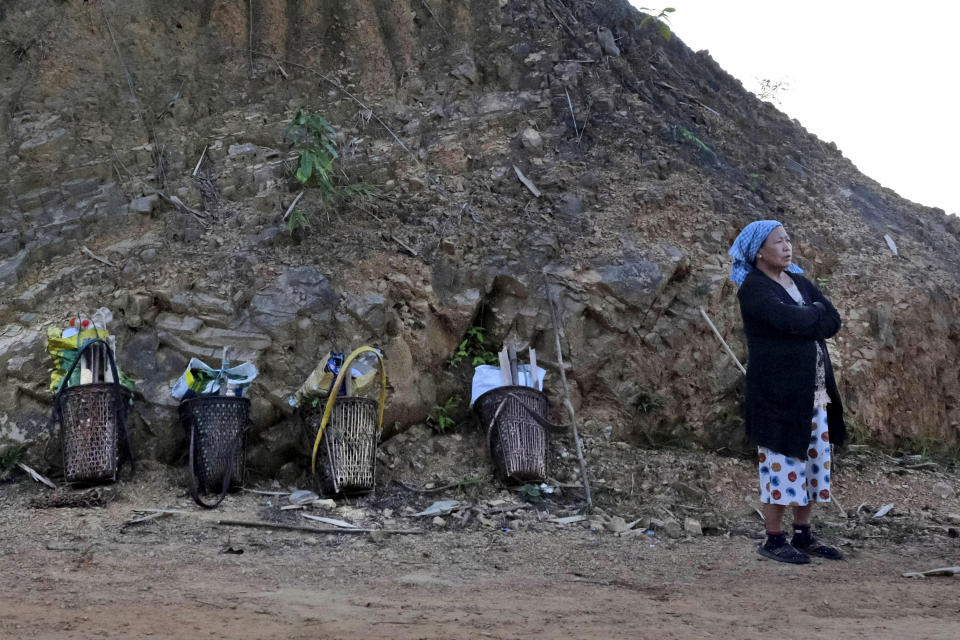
(793, 409)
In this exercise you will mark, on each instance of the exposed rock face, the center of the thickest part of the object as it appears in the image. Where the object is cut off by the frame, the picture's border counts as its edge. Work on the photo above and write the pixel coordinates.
(669, 159)
(299, 290)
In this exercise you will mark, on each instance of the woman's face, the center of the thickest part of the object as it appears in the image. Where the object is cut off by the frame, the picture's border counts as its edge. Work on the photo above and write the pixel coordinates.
(776, 251)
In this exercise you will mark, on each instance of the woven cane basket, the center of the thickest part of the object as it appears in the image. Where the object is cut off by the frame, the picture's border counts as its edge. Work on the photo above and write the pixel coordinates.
(345, 435)
(348, 449)
(90, 419)
(518, 444)
(217, 424)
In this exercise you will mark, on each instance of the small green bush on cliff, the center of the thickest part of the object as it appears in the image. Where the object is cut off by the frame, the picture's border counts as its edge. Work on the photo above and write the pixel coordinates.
(317, 167)
(661, 19)
(473, 350)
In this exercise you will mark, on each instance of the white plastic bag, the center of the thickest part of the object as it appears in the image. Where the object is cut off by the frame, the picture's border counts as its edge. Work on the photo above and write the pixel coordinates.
(238, 377)
(487, 377)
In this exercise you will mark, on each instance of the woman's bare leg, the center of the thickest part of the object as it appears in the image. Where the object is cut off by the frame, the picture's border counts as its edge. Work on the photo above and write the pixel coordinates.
(801, 515)
(773, 516)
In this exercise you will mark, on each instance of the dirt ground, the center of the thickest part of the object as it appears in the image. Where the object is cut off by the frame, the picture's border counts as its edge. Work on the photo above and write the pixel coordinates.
(496, 568)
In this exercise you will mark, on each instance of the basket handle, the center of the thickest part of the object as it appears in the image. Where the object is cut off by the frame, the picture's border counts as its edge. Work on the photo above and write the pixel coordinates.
(126, 450)
(328, 410)
(64, 383)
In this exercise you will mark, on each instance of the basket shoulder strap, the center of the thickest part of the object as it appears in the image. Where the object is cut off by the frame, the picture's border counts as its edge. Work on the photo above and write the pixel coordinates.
(227, 473)
(540, 420)
(65, 382)
(493, 421)
(126, 451)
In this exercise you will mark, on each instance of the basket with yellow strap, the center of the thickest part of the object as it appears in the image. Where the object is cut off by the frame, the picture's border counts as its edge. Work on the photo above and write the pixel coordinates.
(346, 436)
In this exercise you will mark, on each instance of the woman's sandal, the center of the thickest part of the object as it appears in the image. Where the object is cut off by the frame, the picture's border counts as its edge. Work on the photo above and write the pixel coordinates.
(814, 547)
(784, 552)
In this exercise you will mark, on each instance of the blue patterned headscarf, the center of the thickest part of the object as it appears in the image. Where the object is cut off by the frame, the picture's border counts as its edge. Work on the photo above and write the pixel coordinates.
(745, 247)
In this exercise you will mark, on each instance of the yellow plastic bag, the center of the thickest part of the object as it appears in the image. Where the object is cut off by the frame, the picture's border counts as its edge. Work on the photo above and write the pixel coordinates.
(64, 351)
(317, 385)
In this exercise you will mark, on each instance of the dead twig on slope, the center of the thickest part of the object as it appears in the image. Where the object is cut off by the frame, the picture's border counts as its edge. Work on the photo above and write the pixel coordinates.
(250, 38)
(151, 133)
(405, 246)
(98, 258)
(182, 208)
(150, 190)
(562, 23)
(199, 162)
(426, 6)
(283, 72)
(527, 182)
(576, 129)
(293, 527)
(168, 108)
(293, 204)
(152, 516)
(38, 477)
(123, 64)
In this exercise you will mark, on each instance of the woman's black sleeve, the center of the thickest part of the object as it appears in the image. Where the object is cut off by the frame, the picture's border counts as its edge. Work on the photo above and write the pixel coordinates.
(807, 321)
(833, 316)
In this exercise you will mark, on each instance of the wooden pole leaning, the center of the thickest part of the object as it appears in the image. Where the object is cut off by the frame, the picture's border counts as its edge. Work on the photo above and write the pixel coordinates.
(722, 341)
(555, 318)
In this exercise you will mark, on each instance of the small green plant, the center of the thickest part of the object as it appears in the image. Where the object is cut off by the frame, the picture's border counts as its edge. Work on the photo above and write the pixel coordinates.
(316, 168)
(531, 493)
(441, 418)
(823, 283)
(857, 432)
(647, 401)
(929, 447)
(316, 139)
(687, 135)
(753, 182)
(661, 19)
(469, 482)
(643, 406)
(471, 487)
(296, 220)
(472, 350)
(130, 383)
(682, 134)
(10, 457)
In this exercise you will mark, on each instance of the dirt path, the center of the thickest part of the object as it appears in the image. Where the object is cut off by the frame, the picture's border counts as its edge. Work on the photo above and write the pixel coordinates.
(176, 582)
(492, 572)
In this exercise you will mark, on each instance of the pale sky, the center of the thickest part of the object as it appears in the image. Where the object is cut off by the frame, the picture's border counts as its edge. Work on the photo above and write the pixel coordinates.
(877, 78)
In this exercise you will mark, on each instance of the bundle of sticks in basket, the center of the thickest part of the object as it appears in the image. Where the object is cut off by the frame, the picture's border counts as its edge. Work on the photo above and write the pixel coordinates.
(95, 364)
(511, 373)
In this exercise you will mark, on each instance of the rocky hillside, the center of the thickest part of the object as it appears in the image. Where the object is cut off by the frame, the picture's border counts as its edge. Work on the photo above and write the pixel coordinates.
(107, 108)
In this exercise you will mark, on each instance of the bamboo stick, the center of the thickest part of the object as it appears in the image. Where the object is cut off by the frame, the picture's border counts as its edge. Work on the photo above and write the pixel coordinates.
(555, 318)
(722, 341)
(534, 375)
(505, 368)
(293, 527)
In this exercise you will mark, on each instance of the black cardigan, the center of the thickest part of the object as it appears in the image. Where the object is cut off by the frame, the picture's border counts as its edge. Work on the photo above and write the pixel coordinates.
(781, 371)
